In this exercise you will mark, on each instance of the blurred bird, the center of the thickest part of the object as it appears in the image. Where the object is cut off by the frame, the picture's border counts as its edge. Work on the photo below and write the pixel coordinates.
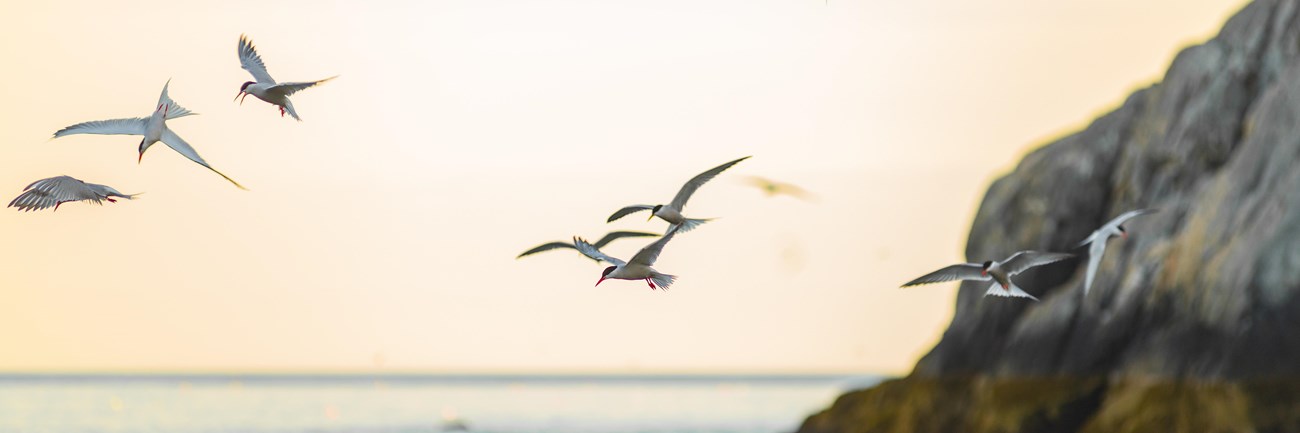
(153, 128)
(1098, 240)
(639, 268)
(610, 237)
(265, 88)
(672, 212)
(999, 272)
(58, 190)
(773, 188)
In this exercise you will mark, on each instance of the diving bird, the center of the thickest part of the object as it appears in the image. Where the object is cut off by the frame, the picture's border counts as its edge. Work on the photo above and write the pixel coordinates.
(672, 212)
(600, 243)
(999, 272)
(639, 268)
(58, 190)
(265, 88)
(1098, 240)
(773, 188)
(153, 128)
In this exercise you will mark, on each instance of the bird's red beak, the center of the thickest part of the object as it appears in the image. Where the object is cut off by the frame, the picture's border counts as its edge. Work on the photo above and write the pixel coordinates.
(241, 93)
(602, 279)
(141, 158)
(1124, 235)
(984, 272)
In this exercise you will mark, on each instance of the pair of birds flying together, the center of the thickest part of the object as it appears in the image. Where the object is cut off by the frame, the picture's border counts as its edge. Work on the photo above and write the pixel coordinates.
(1002, 271)
(54, 191)
(640, 266)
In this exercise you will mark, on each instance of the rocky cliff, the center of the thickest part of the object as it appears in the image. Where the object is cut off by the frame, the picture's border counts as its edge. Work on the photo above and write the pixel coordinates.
(1193, 323)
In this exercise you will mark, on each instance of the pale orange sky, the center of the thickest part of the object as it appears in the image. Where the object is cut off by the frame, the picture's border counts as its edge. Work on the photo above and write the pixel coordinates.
(460, 133)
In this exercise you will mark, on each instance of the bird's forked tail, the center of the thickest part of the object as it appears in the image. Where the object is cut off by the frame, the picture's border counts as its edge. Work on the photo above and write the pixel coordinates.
(996, 289)
(662, 281)
(689, 224)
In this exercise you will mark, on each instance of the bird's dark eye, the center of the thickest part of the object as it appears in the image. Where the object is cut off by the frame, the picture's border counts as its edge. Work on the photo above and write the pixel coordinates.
(656, 209)
(607, 271)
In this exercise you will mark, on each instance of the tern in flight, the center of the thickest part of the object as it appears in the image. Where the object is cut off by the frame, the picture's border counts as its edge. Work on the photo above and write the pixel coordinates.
(599, 244)
(1098, 240)
(153, 128)
(639, 268)
(672, 212)
(58, 190)
(999, 272)
(265, 88)
(773, 188)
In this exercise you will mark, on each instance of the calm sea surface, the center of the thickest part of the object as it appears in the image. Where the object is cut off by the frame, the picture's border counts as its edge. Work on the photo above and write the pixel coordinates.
(413, 403)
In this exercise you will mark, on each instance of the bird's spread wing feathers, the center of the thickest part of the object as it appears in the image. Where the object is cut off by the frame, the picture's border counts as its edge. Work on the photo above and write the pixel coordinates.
(252, 62)
(1095, 252)
(591, 251)
(648, 255)
(963, 271)
(628, 211)
(1127, 216)
(132, 126)
(290, 88)
(180, 146)
(1021, 261)
(545, 247)
(679, 202)
(611, 236)
(174, 110)
(50, 192)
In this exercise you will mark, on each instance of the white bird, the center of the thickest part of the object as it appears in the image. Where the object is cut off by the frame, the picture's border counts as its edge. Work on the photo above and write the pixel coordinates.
(999, 272)
(265, 88)
(672, 212)
(1098, 240)
(58, 190)
(639, 268)
(610, 237)
(153, 128)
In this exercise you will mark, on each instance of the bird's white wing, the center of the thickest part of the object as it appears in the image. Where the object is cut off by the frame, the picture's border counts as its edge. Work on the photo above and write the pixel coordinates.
(1021, 261)
(629, 210)
(180, 146)
(50, 192)
(679, 202)
(610, 237)
(1091, 238)
(252, 62)
(174, 110)
(1095, 252)
(650, 253)
(287, 89)
(132, 126)
(590, 251)
(1115, 223)
(545, 247)
(963, 271)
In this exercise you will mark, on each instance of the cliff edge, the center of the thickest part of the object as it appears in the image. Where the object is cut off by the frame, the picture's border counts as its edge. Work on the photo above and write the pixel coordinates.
(1193, 322)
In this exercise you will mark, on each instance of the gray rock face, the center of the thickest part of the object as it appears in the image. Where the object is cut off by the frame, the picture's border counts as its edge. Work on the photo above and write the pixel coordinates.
(1207, 288)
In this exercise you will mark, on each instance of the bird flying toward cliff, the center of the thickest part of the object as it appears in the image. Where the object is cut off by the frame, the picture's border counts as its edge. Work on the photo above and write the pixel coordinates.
(999, 272)
(1098, 240)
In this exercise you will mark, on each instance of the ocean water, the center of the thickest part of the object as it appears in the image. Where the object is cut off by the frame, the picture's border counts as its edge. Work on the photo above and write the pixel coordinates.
(414, 403)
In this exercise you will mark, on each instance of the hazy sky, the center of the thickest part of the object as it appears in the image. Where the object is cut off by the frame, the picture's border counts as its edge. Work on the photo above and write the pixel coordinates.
(380, 233)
